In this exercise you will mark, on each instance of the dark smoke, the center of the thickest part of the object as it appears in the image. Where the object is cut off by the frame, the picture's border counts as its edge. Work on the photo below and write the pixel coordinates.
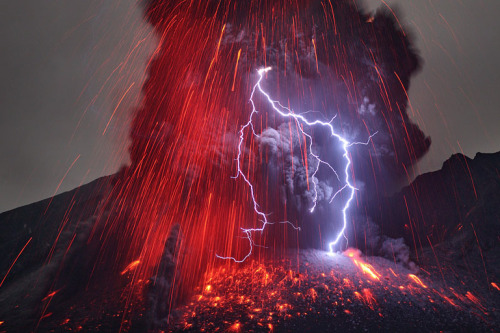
(359, 69)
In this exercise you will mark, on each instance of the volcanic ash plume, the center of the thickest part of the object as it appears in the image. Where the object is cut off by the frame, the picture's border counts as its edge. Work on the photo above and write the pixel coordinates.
(328, 61)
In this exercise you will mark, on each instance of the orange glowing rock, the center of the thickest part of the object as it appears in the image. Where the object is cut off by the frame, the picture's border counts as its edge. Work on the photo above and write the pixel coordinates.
(131, 267)
(313, 294)
(235, 327)
(417, 280)
(365, 267)
(50, 295)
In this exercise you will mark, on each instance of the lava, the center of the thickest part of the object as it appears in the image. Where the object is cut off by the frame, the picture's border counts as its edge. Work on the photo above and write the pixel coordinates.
(130, 267)
(365, 267)
(279, 294)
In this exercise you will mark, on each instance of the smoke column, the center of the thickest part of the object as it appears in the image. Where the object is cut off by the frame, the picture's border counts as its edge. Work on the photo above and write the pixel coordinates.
(327, 57)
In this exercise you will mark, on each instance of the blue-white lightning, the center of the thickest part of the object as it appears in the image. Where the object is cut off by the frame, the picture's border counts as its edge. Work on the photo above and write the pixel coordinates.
(299, 119)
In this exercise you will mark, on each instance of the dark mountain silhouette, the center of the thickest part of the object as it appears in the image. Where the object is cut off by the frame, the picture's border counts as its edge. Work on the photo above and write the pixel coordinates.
(460, 201)
(450, 219)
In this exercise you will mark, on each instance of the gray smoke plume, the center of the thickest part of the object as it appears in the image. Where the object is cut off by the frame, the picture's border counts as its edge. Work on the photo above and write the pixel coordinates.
(350, 65)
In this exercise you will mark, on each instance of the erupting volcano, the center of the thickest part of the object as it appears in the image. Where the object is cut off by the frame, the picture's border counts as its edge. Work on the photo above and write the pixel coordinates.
(328, 61)
(270, 136)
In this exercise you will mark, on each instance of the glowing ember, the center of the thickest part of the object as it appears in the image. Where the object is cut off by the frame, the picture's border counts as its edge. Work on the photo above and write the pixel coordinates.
(257, 296)
(130, 267)
(417, 280)
(365, 267)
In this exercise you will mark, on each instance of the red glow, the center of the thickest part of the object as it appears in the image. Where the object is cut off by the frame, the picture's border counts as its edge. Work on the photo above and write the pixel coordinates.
(365, 267)
(417, 280)
(130, 267)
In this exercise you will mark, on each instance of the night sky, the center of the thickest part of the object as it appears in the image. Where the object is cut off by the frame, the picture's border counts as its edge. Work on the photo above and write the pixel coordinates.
(72, 73)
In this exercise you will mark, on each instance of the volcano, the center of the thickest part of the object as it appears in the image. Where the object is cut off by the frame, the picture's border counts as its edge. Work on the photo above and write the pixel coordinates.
(452, 284)
(264, 156)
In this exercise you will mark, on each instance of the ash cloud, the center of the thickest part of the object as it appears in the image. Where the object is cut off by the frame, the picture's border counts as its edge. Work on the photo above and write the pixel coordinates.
(328, 58)
(374, 242)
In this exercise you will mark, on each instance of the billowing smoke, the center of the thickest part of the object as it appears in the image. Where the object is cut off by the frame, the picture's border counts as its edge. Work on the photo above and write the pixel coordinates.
(328, 59)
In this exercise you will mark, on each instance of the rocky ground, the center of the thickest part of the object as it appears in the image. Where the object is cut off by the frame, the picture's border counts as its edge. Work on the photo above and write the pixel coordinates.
(319, 292)
(453, 285)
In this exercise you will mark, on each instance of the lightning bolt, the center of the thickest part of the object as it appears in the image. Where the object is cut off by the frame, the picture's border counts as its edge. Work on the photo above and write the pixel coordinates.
(299, 119)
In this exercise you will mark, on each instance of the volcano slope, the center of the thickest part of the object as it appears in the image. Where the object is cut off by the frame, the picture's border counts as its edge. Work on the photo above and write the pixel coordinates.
(316, 291)
(454, 284)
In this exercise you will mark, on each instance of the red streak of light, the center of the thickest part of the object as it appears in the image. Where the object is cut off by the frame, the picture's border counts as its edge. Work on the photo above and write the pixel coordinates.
(236, 69)
(417, 280)
(59, 185)
(365, 268)
(468, 169)
(117, 106)
(437, 261)
(52, 294)
(315, 55)
(475, 300)
(131, 267)
(406, 93)
(333, 16)
(369, 298)
(495, 286)
(480, 252)
(449, 300)
(12, 265)
(393, 14)
(220, 40)
(411, 226)
(46, 315)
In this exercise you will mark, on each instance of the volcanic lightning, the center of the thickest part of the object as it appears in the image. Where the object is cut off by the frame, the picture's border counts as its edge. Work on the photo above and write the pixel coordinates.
(300, 119)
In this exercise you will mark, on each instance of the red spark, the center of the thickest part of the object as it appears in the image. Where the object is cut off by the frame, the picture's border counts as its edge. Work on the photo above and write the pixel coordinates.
(131, 267)
(417, 280)
(17, 257)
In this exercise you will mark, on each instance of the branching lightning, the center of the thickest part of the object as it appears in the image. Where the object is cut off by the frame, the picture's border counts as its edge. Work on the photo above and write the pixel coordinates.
(300, 119)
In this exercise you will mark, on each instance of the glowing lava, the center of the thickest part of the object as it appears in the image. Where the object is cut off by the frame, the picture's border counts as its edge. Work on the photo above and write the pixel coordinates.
(365, 267)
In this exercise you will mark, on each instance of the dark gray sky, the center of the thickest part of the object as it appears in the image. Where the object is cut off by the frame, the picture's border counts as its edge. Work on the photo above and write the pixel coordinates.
(66, 65)
(55, 58)
(457, 93)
